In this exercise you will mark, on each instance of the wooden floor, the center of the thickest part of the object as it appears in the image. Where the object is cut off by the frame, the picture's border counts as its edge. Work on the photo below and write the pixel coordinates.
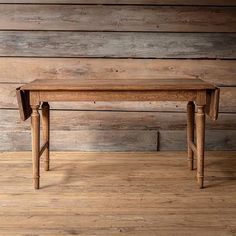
(118, 194)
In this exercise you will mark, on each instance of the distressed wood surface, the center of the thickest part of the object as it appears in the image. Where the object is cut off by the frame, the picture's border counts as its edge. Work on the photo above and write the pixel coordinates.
(119, 194)
(105, 120)
(227, 102)
(118, 18)
(24, 70)
(84, 140)
(130, 2)
(117, 44)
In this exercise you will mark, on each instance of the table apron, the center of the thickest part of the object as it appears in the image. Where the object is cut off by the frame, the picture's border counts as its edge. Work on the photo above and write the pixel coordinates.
(169, 95)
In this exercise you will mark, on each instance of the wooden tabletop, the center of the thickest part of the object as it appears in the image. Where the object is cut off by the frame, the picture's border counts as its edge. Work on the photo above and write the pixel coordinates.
(110, 84)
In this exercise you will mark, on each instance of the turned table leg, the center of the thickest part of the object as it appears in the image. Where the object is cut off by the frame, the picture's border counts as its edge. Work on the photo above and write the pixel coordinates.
(200, 133)
(190, 133)
(46, 133)
(35, 132)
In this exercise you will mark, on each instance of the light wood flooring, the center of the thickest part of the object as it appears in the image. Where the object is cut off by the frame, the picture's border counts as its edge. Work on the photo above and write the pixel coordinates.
(118, 194)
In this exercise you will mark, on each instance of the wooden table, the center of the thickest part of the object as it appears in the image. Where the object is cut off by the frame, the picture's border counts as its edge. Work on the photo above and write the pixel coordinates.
(193, 91)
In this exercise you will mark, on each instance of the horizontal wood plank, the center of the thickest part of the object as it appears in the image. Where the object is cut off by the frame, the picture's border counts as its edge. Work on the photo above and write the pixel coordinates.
(94, 140)
(129, 2)
(24, 70)
(117, 44)
(118, 18)
(118, 140)
(227, 102)
(215, 140)
(100, 120)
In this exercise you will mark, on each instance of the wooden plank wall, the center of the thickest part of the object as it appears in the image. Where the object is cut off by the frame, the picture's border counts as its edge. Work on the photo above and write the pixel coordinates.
(121, 39)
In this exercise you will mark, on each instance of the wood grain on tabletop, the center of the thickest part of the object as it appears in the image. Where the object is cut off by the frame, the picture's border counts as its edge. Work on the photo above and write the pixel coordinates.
(128, 85)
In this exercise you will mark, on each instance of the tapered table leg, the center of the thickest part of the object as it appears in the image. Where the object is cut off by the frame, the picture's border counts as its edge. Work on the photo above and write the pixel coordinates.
(200, 131)
(35, 132)
(46, 133)
(190, 133)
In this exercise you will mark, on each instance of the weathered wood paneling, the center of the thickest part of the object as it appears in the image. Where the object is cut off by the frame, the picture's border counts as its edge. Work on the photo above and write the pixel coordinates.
(117, 18)
(117, 44)
(24, 70)
(227, 102)
(142, 2)
(108, 120)
(215, 140)
(93, 140)
(56, 31)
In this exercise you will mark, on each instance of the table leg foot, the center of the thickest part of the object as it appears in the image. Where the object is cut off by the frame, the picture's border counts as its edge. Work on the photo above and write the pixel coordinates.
(36, 183)
(190, 164)
(46, 165)
(200, 180)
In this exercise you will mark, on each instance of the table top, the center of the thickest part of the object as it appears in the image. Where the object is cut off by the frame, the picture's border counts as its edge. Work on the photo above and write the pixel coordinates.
(112, 85)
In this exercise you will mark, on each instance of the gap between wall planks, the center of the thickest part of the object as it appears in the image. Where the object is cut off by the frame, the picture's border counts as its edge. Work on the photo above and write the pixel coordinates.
(129, 2)
(141, 18)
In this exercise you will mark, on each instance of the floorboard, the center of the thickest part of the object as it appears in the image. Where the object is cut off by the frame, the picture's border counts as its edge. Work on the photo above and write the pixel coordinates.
(91, 193)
